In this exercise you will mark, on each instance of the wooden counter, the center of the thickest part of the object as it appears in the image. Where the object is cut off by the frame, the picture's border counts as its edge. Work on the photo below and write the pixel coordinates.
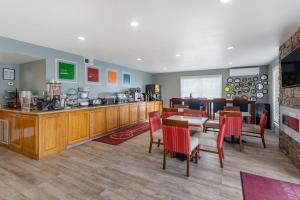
(38, 134)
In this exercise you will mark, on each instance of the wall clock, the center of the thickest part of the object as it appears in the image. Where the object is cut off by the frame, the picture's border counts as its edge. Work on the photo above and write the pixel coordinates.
(226, 89)
(237, 80)
(246, 89)
(259, 95)
(230, 80)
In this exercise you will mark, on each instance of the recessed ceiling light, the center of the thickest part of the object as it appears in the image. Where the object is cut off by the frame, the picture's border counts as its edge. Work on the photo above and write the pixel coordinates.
(230, 47)
(81, 38)
(134, 24)
(178, 55)
(225, 1)
(139, 59)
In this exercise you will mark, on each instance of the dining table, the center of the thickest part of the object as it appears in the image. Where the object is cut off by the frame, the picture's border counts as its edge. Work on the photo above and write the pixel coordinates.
(193, 121)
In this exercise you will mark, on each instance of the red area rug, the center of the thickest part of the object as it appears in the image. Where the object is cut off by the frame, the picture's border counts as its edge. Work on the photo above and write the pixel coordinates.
(263, 188)
(121, 135)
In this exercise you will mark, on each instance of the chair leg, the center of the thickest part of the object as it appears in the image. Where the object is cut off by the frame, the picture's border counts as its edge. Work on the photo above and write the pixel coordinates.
(220, 157)
(223, 156)
(263, 140)
(188, 166)
(241, 143)
(164, 160)
(196, 154)
(158, 144)
(150, 147)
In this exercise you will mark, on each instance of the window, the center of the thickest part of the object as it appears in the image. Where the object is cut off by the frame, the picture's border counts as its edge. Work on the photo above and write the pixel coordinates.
(276, 88)
(201, 86)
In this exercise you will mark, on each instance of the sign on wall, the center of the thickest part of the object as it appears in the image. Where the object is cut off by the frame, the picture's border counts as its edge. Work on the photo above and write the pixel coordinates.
(112, 77)
(93, 74)
(126, 78)
(66, 70)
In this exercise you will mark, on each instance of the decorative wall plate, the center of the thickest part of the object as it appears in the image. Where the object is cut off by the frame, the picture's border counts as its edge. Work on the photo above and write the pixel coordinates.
(259, 86)
(241, 84)
(230, 80)
(264, 77)
(266, 82)
(237, 80)
(233, 92)
(239, 92)
(259, 95)
(244, 80)
(246, 89)
(253, 98)
(237, 87)
(231, 84)
(226, 89)
(249, 79)
(253, 91)
(228, 95)
(265, 91)
(255, 78)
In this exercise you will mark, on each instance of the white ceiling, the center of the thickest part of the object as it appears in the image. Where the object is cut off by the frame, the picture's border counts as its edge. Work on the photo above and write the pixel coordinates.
(14, 58)
(200, 30)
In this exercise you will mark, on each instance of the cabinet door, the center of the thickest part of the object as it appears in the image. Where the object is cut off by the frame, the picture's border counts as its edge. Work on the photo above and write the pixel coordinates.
(142, 112)
(134, 113)
(29, 129)
(124, 115)
(53, 131)
(78, 126)
(97, 122)
(150, 108)
(112, 118)
(15, 133)
(157, 106)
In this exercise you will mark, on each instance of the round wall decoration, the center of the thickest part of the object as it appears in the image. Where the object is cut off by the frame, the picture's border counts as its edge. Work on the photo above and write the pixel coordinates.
(249, 79)
(264, 77)
(230, 80)
(259, 95)
(255, 78)
(244, 80)
(237, 80)
(226, 89)
(246, 89)
(253, 91)
(265, 91)
(231, 84)
(266, 82)
(237, 87)
(259, 86)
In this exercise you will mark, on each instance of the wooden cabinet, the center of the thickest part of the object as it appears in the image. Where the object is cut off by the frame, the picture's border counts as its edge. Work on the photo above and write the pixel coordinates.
(134, 117)
(142, 113)
(52, 133)
(97, 122)
(112, 118)
(78, 126)
(15, 132)
(150, 108)
(157, 106)
(124, 115)
(29, 131)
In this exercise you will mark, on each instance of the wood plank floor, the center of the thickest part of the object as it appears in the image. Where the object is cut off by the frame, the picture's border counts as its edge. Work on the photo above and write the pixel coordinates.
(127, 171)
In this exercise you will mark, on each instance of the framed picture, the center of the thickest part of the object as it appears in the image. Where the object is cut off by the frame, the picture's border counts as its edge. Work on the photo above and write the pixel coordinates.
(126, 78)
(112, 77)
(93, 75)
(66, 71)
(9, 74)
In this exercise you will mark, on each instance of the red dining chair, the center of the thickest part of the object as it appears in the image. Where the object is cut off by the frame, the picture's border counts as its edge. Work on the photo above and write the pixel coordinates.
(156, 133)
(168, 112)
(177, 139)
(253, 130)
(234, 122)
(213, 143)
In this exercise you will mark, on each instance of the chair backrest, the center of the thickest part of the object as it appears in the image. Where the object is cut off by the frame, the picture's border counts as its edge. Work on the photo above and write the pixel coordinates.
(176, 136)
(218, 104)
(180, 106)
(263, 122)
(154, 122)
(234, 122)
(232, 108)
(243, 104)
(222, 131)
(168, 112)
(195, 113)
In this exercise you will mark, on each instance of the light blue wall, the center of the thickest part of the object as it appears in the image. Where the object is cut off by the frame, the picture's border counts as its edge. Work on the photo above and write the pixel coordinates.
(139, 78)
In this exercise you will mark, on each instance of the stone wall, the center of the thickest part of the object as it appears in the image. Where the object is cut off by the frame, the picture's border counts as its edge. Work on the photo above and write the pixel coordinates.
(290, 97)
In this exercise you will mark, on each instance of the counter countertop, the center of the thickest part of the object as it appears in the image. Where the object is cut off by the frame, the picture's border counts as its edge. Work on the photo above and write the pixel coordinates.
(38, 112)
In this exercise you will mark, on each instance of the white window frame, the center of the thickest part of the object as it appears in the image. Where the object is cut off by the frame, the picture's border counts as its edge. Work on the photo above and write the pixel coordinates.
(199, 77)
(275, 99)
